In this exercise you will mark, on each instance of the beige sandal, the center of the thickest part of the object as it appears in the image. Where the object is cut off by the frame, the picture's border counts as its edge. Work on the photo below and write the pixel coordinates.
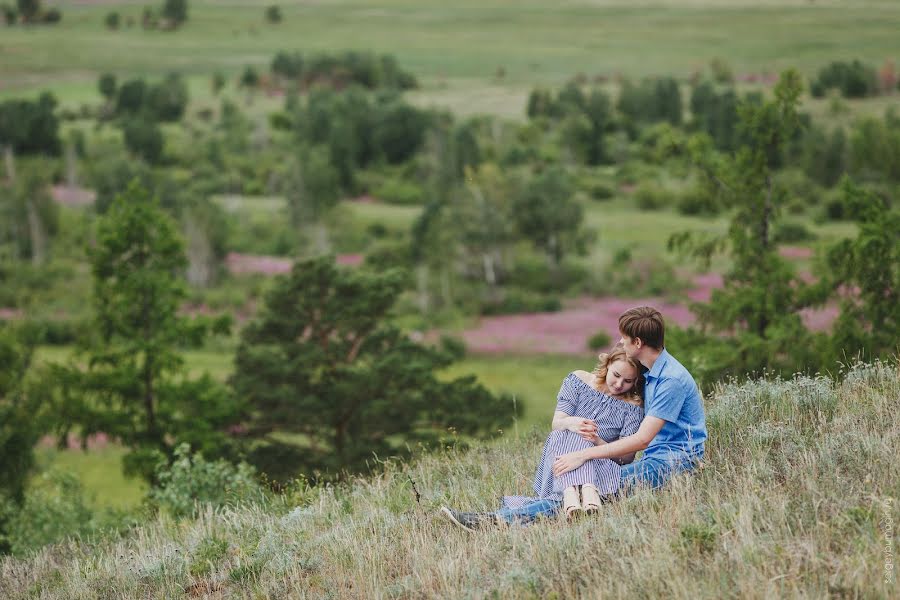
(590, 499)
(571, 503)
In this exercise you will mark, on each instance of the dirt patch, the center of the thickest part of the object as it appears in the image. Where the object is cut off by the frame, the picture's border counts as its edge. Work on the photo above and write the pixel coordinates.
(241, 264)
(73, 442)
(11, 314)
(795, 252)
(73, 195)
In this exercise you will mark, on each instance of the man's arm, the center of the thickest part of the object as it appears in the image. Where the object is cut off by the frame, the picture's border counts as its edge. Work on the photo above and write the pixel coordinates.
(650, 426)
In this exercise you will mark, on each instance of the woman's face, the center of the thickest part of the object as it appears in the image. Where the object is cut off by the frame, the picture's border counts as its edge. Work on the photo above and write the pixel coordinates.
(620, 377)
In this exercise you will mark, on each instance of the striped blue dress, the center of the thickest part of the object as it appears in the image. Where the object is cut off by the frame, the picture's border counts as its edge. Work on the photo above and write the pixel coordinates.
(614, 418)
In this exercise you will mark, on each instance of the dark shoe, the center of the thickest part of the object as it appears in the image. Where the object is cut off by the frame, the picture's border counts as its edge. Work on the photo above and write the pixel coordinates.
(470, 521)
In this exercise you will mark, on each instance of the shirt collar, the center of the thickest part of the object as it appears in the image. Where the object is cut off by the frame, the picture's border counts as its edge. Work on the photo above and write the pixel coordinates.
(658, 365)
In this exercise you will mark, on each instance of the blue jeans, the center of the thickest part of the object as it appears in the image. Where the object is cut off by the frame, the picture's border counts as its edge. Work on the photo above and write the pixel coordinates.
(529, 512)
(654, 472)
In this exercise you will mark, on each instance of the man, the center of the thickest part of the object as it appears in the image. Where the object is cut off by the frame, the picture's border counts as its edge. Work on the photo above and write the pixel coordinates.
(671, 435)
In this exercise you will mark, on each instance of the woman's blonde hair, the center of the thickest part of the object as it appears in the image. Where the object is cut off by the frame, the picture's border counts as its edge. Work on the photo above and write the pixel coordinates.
(636, 394)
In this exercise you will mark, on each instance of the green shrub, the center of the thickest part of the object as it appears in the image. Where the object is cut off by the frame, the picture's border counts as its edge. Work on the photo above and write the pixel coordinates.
(144, 138)
(191, 481)
(399, 191)
(789, 233)
(209, 552)
(112, 20)
(514, 301)
(273, 14)
(599, 341)
(649, 196)
(853, 79)
(696, 201)
(55, 508)
(601, 191)
(51, 332)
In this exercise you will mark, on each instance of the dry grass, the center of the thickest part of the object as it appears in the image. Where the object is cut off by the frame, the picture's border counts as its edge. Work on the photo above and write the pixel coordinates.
(800, 482)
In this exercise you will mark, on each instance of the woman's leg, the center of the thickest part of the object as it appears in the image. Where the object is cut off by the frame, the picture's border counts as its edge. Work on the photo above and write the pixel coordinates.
(572, 442)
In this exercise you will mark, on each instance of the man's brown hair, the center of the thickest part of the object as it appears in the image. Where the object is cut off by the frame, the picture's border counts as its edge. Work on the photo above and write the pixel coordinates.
(646, 323)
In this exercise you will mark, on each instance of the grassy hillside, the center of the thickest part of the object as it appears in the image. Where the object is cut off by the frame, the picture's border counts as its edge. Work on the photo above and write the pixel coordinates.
(796, 499)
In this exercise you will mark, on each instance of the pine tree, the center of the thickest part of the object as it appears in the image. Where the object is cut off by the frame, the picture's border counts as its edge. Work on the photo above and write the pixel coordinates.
(758, 307)
(865, 271)
(332, 384)
(135, 388)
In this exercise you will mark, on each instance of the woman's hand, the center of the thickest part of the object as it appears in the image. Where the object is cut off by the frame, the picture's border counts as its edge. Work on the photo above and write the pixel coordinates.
(567, 462)
(586, 428)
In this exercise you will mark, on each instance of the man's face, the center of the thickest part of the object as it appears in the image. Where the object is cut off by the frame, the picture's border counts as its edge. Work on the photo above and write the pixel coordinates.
(631, 348)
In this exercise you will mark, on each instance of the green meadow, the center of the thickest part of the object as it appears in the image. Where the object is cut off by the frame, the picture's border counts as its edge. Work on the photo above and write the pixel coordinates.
(470, 56)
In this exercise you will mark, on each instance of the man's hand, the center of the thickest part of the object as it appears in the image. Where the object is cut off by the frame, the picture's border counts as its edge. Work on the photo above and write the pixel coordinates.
(567, 462)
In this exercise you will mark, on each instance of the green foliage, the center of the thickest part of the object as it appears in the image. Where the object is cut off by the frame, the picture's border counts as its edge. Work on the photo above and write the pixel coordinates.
(599, 341)
(546, 213)
(217, 82)
(112, 21)
(867, 269)
(19, 426)
(853, 79)
(716, 114)
(191, 482)
(312, 188)
(273, 14)
(52, 16)
(825, 155)
(29, 9)
(792, 233)
(144, 139)
(110, 173)
(176, 11)
(399, 191)
(249, 78)
(651, 101)
(54, 508)
(10, 14)
(106, 84)
(652, 196)
(30, 127)
(515, 301)
(696, 200)
(130, 97)
(637, 277)
(762, 296)
(31, 216)
(540, 103)
(399, 130)
(332, 383)
(875, 147)
(134, 387)
(338, 71)
(167, 100)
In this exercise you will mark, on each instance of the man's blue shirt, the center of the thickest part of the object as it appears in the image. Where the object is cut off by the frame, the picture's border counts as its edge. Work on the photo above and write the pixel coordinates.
(672, 395)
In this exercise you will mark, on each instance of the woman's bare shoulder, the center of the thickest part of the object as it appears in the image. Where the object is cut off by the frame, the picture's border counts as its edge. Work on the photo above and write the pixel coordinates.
(586, 377)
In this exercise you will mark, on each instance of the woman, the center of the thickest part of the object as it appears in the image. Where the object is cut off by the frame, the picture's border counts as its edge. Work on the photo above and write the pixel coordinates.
(592, 409)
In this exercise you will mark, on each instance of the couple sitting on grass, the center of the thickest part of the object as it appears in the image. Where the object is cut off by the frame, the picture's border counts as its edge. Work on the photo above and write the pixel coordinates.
(601, 421)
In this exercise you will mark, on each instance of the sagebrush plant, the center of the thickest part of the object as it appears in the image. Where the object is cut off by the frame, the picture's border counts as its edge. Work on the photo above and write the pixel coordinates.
(792, 501)
(192, 482)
